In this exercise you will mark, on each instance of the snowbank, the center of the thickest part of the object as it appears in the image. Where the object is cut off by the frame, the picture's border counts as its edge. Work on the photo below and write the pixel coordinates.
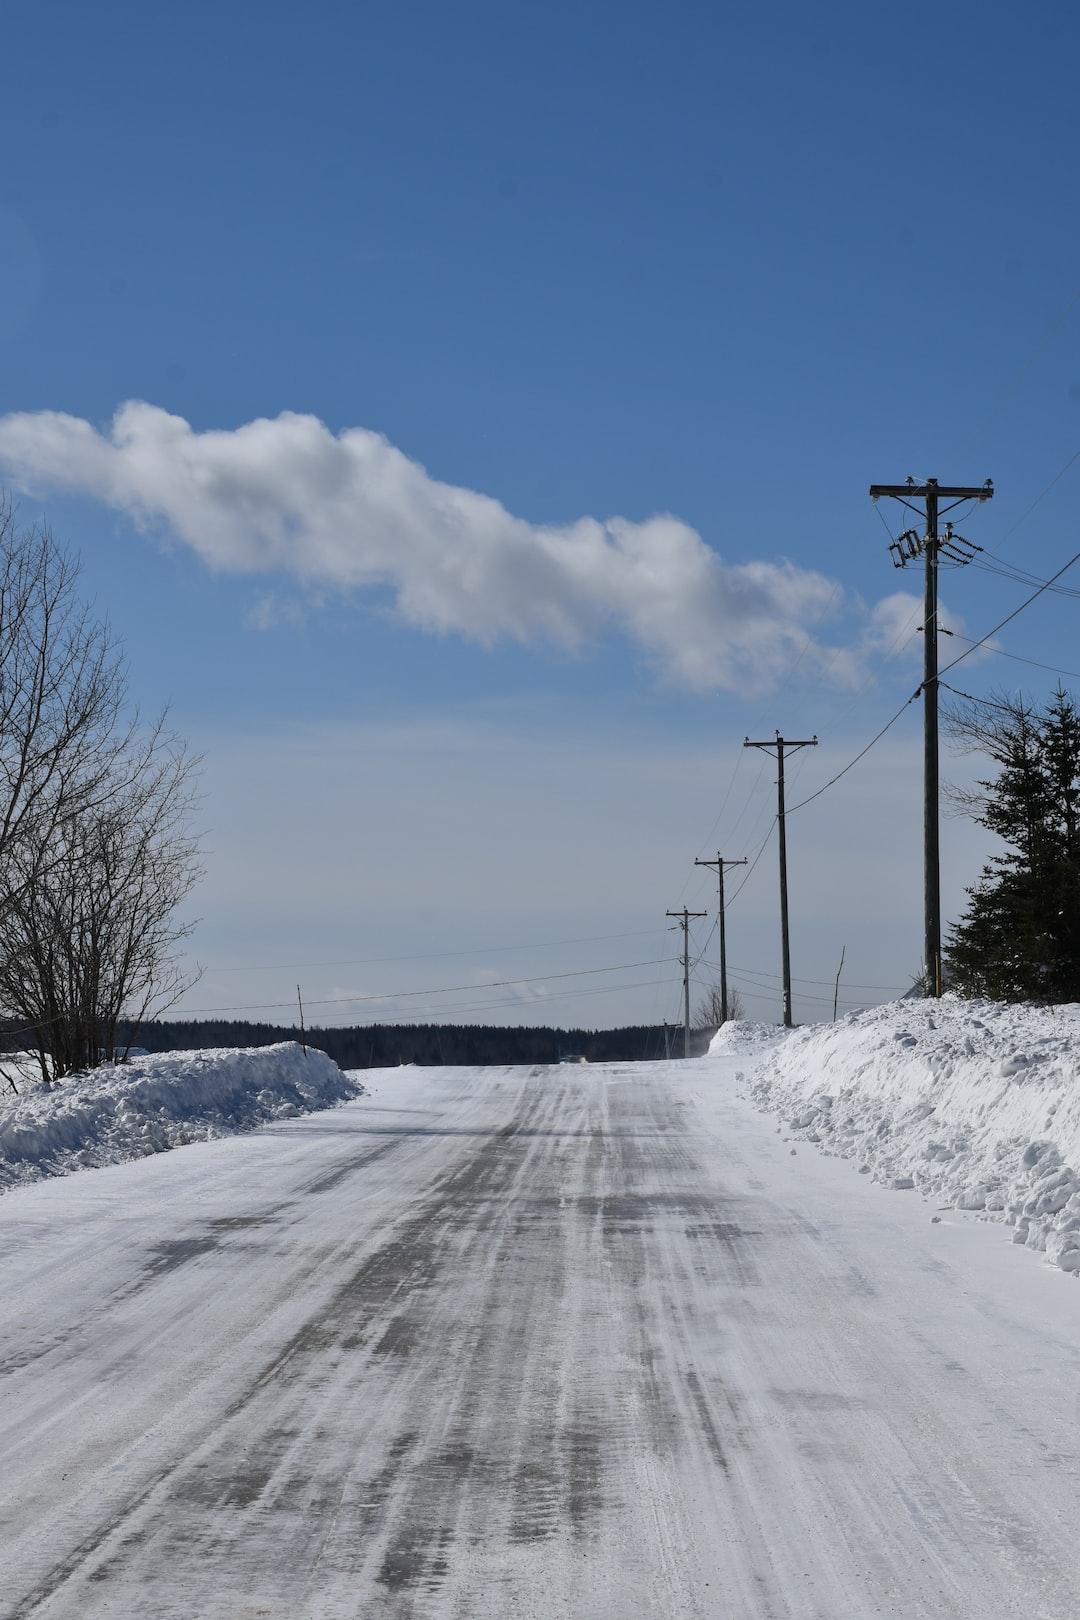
(159, 1102)
(974, 1104)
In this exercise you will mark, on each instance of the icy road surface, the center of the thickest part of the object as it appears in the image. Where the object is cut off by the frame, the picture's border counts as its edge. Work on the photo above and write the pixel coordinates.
(556, 1342)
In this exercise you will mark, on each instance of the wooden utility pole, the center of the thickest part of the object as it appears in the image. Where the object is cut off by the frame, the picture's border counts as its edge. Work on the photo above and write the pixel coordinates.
(931, 546)
(684, 917)
(785, 945)
(720, 863)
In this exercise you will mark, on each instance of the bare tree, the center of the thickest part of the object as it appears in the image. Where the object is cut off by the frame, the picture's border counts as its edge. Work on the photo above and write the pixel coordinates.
(92, 930)
(96, 846)
(710, 1011)
(62, 689)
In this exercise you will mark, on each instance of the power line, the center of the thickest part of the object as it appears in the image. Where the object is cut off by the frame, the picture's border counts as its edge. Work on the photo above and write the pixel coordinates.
(443, 990)
(1053, 669)
(724, 801)
(983, 702)
(753, 863)
(1022, 373)
(975, 645)
(1021, 576)
(860, 755)
(1044, 585)
(429, 956)
(762, 973)
(440, 1014)
(1026, 513)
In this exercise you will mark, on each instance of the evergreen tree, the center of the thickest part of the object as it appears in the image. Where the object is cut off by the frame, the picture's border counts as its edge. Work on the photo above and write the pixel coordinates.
(1019, 939)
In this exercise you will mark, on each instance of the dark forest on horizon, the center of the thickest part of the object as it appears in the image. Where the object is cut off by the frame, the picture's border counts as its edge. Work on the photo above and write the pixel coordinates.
(380, 1046)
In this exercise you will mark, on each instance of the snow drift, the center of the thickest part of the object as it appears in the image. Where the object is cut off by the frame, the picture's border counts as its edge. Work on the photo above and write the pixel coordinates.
(974, 1104)
(159, 1102)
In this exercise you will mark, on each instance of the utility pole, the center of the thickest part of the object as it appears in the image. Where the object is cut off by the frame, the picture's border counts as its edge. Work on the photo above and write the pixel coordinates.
(931, 546)
(720, 863)
(685, 917)
(785, 945)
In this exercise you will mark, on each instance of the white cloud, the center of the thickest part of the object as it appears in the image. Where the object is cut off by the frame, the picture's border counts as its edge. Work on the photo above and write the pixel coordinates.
(894, 626)
(348, 511)
(893, 630)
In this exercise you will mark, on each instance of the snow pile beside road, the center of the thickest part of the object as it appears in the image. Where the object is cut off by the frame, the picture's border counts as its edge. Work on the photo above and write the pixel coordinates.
(975, 1104)
(741, 1036)
(158, 1102)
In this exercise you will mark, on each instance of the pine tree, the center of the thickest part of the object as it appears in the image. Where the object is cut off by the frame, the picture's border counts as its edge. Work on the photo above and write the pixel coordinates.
(1019, 939)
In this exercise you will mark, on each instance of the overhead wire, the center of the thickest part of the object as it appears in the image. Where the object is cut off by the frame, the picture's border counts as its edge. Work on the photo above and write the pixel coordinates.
(993, 566)
(789, 671)
(1053, 669)
(430, 956)
(1044, 586)
(1019, 376)
(796, 770)
(983, 702)
(1021, 576)
(1026, 513)
(439, 1014)
(853, 762)
(438, 990)
(906, 634)
(775, 979)
(750, 869)
(918, 692)
(1009, 617)
(723, 803)
(749, 799)
(900, 640)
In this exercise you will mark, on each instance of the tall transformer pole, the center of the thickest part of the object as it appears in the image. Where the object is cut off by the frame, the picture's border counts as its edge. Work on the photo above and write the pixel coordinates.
(931, 546)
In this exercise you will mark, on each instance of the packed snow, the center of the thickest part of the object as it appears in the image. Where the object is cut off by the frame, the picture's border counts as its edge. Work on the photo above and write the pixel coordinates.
(152, 1103)
(974, 1104)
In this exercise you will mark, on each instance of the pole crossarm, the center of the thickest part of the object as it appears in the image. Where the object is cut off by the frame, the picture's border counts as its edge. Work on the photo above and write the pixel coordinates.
(919, 492)
(684, 917)
(780, 744)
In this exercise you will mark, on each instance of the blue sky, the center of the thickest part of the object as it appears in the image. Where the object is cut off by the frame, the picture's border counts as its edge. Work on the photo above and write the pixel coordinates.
(610, 315)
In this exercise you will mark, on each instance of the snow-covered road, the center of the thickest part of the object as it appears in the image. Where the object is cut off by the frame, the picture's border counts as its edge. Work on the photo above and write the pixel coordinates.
(489, 1344)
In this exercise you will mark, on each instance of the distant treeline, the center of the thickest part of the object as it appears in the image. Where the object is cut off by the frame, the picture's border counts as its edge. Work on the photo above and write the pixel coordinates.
(380, 1046)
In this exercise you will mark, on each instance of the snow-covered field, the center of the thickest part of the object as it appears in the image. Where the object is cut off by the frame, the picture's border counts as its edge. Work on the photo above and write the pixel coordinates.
(975, 1105)
(167, 1100)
